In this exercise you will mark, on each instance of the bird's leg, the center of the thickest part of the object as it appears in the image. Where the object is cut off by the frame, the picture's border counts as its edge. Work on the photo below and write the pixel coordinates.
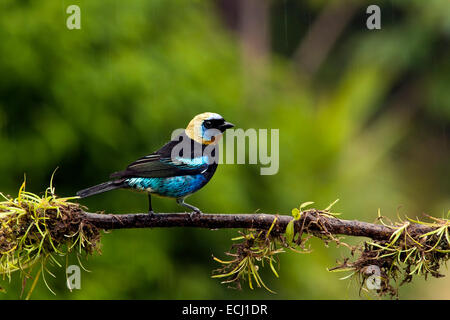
(181, 202)
(150, 209)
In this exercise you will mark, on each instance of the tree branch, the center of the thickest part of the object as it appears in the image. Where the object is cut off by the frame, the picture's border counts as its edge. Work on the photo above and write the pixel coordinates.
(314, 220)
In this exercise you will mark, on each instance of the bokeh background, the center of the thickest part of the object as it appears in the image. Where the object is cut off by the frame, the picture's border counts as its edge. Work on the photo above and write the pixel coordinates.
(364, 116)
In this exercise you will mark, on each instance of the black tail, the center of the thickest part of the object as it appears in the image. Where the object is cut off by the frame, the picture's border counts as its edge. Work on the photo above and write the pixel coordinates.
(104, 187)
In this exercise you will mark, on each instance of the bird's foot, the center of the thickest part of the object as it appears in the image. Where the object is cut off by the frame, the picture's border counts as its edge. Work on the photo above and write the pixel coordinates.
(151, 213)
(195, 212)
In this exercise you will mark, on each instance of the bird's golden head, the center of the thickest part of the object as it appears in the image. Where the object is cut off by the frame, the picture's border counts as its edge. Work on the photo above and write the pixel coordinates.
(207, 128)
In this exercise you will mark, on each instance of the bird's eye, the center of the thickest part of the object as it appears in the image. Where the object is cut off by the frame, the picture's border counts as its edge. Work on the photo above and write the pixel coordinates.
(207, 124)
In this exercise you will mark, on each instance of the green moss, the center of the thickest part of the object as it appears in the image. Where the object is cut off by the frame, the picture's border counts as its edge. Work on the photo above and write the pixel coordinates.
(35, 231)
(401, 257)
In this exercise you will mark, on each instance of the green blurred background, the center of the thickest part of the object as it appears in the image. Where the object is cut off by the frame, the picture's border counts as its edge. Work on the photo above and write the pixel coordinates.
(364, 116)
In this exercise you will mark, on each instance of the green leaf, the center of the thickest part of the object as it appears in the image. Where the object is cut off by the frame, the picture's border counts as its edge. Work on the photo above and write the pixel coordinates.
(290, 231)
(305, 204)
(296, 213)
(331, 205)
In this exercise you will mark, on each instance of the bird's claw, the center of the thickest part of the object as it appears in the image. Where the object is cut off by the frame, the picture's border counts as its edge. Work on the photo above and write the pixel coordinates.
(194, 213)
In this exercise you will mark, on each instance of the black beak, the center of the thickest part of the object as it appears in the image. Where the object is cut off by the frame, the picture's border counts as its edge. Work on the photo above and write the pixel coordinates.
(225, 126)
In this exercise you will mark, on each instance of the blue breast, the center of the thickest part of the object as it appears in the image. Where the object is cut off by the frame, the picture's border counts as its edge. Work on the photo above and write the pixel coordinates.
(175, 187)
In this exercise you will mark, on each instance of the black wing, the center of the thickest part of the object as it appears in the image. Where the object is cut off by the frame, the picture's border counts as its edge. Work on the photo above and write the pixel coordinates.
(160, 164)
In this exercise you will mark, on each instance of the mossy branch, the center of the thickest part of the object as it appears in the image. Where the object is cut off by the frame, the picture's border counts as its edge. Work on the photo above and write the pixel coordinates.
(36, 230)
(312, 217)
(410, 247)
